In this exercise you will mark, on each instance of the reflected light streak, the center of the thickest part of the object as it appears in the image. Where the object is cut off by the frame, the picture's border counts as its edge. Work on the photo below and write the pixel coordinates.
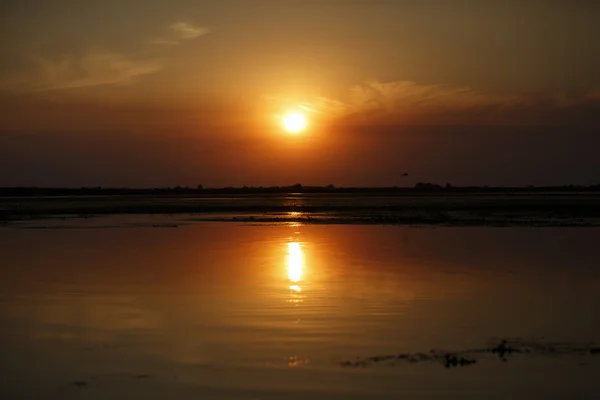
(295, 263)
(295, 217)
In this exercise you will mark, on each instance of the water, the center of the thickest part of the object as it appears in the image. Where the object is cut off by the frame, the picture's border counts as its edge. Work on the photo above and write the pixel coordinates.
(226, 310)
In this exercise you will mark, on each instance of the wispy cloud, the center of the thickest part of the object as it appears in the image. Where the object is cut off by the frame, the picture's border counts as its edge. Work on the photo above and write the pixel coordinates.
(92, 69)
(96, 67)
(399, 102)
(407, 97)
(188, 31)
(179, 32)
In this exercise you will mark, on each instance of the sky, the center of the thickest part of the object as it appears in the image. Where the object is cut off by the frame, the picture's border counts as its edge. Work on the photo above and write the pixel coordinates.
(186, 92)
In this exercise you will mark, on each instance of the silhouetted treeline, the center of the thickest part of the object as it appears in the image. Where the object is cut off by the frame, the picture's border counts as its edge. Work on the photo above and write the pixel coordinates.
(420, 187)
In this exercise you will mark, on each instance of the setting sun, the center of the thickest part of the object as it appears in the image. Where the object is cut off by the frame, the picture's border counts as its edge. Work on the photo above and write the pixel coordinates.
(294, 122)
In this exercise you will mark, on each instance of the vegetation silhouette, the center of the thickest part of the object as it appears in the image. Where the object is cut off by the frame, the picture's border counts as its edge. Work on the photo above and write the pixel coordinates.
(501, 349)
(419, 187)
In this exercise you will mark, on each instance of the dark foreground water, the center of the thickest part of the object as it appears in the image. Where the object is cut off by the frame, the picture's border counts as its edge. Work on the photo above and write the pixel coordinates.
(227, 310)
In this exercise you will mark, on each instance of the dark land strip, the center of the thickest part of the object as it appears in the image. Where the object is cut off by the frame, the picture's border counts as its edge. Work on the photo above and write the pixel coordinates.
(449, 210)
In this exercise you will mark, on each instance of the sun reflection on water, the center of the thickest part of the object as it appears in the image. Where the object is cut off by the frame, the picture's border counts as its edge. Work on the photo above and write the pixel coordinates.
(295, 262)
(295, 267)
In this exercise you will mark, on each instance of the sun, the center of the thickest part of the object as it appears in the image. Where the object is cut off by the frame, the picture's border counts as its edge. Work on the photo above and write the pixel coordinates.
(294, 122)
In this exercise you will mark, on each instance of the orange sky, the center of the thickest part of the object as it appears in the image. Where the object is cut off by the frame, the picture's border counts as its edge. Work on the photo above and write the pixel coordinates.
(197, 89)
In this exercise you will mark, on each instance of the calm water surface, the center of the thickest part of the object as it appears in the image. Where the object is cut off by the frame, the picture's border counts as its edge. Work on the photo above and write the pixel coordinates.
(221, 310)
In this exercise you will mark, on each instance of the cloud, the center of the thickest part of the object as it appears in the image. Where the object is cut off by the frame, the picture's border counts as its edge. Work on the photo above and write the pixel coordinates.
(408, 102)
(187, 31)
(404, 100)
(410, 98)
(92, 69)
(96, 67)
(179, 32)
(320, 106)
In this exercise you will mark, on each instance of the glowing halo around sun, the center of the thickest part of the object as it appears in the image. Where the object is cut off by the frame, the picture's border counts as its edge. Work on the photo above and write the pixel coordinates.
(294, 122)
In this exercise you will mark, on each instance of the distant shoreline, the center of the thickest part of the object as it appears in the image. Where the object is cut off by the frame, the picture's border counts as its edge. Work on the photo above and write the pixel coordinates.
(419, 188)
